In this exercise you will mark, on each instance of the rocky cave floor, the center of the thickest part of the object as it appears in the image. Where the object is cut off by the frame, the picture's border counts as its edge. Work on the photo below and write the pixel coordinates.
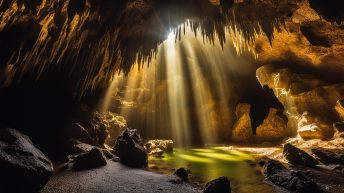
(296, 166)
(324, 168)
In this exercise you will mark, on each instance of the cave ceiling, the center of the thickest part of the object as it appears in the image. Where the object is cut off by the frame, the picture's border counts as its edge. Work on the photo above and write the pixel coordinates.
(91, 40)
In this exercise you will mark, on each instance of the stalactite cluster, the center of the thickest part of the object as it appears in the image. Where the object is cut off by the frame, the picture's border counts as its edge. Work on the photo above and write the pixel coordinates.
(96, 39)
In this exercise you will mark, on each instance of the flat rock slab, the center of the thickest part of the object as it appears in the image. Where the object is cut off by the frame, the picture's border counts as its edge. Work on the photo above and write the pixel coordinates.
(114, 177)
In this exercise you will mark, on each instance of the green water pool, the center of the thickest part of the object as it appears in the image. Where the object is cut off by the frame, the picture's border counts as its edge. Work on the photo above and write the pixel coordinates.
(206, 164)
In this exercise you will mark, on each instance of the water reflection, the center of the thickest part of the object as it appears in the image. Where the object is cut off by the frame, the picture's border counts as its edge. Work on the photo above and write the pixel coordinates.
(207, 164)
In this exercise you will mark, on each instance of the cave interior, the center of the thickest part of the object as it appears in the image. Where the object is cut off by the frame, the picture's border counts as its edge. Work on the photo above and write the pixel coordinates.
(115, 95)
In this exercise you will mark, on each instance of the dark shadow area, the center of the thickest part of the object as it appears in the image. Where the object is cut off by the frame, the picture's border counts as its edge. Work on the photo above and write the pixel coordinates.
(43, 109)
(331, 10)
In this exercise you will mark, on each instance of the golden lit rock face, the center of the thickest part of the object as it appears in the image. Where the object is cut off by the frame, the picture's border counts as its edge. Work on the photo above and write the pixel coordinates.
(340, 109)
(308, 41)
(242, 130)
(273, 128)
(306, 63)
(308, 102)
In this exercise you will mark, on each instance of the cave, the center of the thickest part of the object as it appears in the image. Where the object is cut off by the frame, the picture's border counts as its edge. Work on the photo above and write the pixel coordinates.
(212, 96)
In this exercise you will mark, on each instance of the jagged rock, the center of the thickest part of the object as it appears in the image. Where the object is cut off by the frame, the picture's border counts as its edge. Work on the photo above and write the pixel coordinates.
(340, 108)
(78, 132)
(297, 156)
(92, 159)
(295, 181)
(182, 174)
(339, 126)
(242, 130)
(23, 168)
(341, 135)
(130, 150)
(77, 147)
(328, 157)
(220, 185)
(273, 128)
(302, 97)
(158, 144)
(108, 154)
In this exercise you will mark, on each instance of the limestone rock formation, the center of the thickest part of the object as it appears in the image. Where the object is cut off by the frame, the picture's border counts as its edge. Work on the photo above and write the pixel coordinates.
(242, 130)
(273, 128)
(164, 145)
(115, 124)
(92, 129)
(294, 181)
(308, 102)
(130, 150)
(92, 159)
(340, 108)
(23, 167)
(297, 156)
(220, 185)
(311, 127)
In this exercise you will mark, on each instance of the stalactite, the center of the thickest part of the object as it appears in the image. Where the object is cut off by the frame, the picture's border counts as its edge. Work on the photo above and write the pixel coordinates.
(98, 39)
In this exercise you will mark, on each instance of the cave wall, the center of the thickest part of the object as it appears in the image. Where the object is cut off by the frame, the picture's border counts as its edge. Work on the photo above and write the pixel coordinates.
(48, 71)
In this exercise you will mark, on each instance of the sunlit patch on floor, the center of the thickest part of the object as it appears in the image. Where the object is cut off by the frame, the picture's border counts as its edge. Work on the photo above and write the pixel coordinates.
(206, 164)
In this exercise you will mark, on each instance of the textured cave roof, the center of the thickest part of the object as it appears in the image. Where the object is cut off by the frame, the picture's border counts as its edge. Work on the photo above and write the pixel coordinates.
(93, 39)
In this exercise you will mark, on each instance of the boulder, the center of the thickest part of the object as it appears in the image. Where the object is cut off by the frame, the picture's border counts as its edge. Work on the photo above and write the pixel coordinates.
(294, 181)
(220, 185)
(328, 157)
(297, 156)
(164, 145)
(23, 168)
(242, 130)
(92, 159)
(339, 126)
(273, 128)
(73, 147)
(130, 150)
(182, 174)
